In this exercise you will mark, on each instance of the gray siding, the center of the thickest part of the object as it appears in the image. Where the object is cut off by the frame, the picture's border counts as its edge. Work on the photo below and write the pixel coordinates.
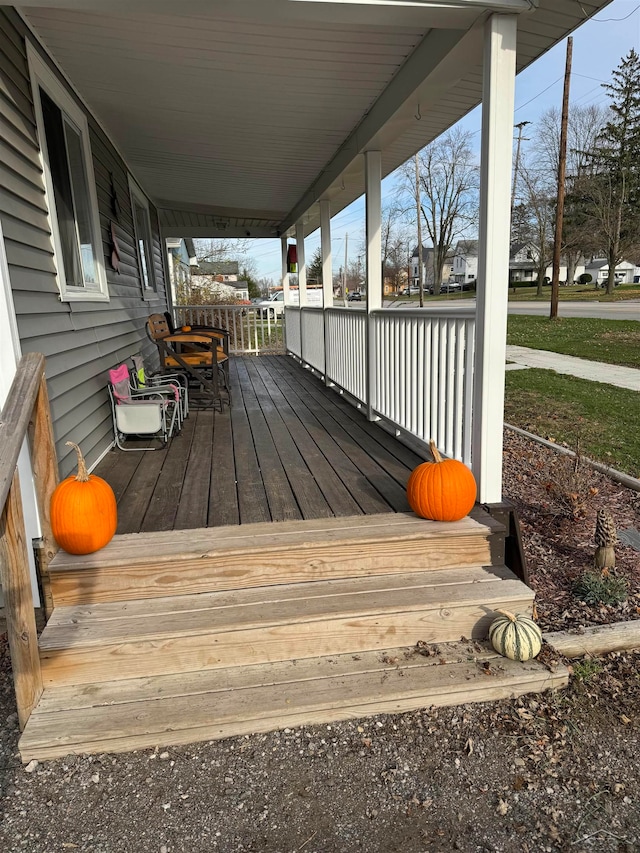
(81, 340)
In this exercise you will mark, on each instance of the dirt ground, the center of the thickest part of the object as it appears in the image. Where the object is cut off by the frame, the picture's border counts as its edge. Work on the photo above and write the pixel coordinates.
(557, 772)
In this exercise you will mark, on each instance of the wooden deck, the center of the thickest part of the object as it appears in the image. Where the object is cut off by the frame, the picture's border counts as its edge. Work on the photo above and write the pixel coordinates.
(287, 449)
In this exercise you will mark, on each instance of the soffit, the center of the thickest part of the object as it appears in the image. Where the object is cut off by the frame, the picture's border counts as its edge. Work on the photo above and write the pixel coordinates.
(229, 114)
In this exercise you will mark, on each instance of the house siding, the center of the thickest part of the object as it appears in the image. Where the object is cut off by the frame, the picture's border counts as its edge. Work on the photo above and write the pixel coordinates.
(80, 340)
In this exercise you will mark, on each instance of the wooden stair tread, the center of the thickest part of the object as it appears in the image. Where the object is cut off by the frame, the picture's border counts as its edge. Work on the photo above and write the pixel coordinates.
(79, 626)
(185, 545)
(180, 709)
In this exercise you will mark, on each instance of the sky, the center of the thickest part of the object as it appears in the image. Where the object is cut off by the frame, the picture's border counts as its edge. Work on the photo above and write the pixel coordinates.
(598, 47)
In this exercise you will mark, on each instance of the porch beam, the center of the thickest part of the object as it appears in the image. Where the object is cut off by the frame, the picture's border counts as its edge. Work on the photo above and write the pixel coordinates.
(493, 254)
(302, 265)
(373, 231)
(285, 272)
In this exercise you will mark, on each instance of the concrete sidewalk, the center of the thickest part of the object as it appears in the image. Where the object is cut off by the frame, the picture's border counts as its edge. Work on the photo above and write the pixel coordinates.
(596, 371)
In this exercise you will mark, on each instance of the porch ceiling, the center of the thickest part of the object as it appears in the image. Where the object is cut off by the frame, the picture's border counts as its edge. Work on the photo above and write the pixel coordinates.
(237, 116)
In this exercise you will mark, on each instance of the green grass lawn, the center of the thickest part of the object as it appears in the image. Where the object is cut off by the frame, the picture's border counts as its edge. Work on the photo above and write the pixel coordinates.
(573, 293)
(611, 341)
(604, 419)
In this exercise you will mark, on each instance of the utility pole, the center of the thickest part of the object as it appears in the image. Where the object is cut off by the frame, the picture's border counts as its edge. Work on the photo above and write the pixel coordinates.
(418, 214)
(562, 168)
(520, 127)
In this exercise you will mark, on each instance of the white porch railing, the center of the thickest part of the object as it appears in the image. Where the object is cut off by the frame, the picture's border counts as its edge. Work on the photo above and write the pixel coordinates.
(250, 329)
(422, 374)
(346, 339)
(312, 337)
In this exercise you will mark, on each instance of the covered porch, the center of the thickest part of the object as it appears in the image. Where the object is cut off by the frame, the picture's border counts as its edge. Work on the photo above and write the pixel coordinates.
(307, 582)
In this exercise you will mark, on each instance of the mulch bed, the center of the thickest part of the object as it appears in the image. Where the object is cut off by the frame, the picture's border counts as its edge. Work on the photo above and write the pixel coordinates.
(557, 501)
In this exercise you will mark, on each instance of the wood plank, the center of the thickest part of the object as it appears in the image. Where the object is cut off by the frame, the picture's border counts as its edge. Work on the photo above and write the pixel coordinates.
(133, 505)
(223, 500)
(596, 640)
(368, 498)
(356, 444)
(337, 496)
(283, 673)
(302, 700)
(280, 497)
(163, 505)
(252, 498)
(44, 465)
(74, 618)
(274, 562)
(292, 630)
(405, 455)
(15, 579)
(193, 506)
(309, 498)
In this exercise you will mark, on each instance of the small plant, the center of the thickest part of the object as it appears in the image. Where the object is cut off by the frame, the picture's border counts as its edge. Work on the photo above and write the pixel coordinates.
(585, 278)
(586, 669)
(569, 483)
(600, 588)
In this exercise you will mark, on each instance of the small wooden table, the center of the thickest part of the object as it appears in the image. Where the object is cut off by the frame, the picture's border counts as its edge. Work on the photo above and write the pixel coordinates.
(171, 346)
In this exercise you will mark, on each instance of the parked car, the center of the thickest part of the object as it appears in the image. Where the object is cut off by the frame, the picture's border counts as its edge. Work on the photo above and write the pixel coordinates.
(354, 296)
(414, 290)
(447, 287)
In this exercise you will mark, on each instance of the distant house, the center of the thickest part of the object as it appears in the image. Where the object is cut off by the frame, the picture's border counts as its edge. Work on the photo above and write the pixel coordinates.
(465, 261)
(598, 269)
(523, 265)
(427, 267)
(220, 279)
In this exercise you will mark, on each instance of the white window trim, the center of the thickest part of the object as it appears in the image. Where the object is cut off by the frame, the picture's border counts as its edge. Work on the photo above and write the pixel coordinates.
(137, 195)
(42, 76)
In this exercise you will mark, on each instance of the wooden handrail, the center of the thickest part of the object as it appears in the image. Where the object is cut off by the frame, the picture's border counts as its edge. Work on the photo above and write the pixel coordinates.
(26, 409)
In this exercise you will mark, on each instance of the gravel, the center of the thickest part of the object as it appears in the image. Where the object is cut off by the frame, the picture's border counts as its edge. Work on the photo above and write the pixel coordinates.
(556, 772)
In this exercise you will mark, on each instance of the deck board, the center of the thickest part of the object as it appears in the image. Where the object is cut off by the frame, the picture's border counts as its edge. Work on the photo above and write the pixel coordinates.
(286, 448)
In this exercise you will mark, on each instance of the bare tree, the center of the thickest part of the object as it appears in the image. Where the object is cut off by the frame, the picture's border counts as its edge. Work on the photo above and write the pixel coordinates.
(221, 249)
(449, 182)
(394, 243)
(538, 196)
(584, 126)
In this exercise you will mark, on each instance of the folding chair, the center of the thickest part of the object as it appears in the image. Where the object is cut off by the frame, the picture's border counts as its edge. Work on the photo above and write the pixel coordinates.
(150, 413)
(169, 382)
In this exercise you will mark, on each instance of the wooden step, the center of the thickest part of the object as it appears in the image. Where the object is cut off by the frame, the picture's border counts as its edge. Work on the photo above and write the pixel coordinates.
(158, 636)
(145, 565)
(179, 709)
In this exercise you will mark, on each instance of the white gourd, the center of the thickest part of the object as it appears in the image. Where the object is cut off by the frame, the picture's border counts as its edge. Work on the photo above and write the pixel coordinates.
(515, 637)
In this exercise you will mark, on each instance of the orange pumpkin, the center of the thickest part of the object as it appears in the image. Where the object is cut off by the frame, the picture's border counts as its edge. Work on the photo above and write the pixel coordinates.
(83, 511)
(442, 490)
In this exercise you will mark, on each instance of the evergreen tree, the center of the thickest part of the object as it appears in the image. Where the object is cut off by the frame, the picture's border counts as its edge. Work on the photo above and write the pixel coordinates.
(610, 188)
(314, 269)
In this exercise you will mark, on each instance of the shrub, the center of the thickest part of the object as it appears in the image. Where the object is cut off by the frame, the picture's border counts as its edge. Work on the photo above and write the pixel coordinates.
(585, 278)
(600, 588)
(569, 483)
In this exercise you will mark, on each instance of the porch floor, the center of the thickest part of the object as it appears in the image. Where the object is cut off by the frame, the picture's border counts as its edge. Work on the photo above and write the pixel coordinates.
(288, 448)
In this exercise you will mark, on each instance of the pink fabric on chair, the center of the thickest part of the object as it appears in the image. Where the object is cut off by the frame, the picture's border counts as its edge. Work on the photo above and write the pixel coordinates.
(119, 378)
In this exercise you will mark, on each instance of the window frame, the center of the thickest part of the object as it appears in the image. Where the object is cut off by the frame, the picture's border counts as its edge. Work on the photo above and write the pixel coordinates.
(138, 197)
(42, 77)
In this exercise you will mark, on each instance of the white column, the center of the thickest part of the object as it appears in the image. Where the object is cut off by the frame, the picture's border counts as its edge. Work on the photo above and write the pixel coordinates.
(325, 246)
(373, 188)
(493, 254)
(302, 267)
(373, 211)
(285, 274)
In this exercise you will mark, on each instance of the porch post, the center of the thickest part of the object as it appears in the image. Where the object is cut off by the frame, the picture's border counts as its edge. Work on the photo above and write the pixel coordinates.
(373, 204)
(325, 241)
(493, 254)
(327, 274)
(302, 267)
(285, 275)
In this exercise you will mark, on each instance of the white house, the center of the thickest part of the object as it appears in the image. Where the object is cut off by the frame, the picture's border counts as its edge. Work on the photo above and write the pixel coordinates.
(465, 261)
(523, 265)
(598, 269)
(427, 267)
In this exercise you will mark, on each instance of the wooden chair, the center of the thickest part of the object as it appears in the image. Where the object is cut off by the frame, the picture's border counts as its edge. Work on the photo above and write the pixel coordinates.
(200, 354)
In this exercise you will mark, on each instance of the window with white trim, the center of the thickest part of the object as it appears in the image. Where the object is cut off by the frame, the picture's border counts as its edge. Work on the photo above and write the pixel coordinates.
(143, 238)
(70, 187)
